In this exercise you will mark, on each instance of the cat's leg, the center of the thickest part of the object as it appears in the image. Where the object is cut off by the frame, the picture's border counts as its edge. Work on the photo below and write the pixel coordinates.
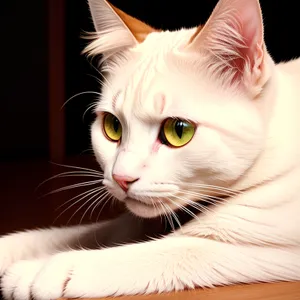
(38, 243)
(41, 243)
(171, 263)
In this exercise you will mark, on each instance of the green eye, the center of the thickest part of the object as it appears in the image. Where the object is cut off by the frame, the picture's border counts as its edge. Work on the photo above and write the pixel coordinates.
(176, 132)
(112, 127)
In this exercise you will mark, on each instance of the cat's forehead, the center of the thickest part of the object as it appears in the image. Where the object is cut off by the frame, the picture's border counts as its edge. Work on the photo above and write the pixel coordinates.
(155, 98)
(156, 80)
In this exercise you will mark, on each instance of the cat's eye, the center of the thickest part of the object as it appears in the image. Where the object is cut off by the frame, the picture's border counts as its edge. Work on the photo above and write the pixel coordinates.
(176, 132)
(112, 127)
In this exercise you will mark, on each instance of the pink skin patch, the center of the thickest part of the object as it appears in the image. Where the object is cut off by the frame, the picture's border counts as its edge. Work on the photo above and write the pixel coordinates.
(159, 103)
(156, 146)
(159, 106)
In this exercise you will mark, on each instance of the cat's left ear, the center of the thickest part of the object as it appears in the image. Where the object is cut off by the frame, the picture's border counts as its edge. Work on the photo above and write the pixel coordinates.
(233, 38)
(115, 30)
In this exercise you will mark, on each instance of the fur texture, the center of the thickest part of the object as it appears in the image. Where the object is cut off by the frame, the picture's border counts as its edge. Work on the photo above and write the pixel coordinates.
(238, 177)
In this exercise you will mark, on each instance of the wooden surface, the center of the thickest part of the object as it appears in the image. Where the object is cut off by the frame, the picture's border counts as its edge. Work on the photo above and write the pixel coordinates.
(275, 291)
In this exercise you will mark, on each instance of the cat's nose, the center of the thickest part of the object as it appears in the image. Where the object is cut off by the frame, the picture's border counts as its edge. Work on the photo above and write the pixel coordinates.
(124, 181)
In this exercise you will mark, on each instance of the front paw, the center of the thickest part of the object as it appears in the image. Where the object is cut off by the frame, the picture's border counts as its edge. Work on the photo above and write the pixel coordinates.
(41, 279)
(75, 274)
(17, 280)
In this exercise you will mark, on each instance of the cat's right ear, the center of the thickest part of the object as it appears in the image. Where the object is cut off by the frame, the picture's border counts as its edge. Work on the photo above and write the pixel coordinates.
(115, 30)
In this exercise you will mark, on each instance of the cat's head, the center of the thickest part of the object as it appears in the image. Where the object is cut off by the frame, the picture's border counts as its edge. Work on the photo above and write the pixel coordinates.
(179, 116)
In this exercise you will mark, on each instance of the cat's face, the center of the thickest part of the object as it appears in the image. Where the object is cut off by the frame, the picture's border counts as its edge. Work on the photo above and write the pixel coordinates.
(169, 131)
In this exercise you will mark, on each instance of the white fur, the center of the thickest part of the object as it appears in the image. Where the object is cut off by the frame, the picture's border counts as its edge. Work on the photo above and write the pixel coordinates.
(246, 147)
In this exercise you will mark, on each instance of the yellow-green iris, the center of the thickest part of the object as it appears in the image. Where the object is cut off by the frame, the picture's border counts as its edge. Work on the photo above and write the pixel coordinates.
(112, 127)
(176, 132)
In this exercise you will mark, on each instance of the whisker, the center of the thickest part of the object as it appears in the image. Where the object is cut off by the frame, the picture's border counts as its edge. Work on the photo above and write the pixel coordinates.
(214, 200)
(156, 207)
(209, 186)
(86, 194)
(174, 215)
(74, 186)
(93, 105)
(86, 151)
(78, 209)
(92, 204)
(105, 203)
(201, 208)
(103, 82)
(163, 214)
(95, 77)
(168, 216)
(96, 189)
(78, 168)
(99, 202)
(70, 174)
(182, 207)
(79, 94)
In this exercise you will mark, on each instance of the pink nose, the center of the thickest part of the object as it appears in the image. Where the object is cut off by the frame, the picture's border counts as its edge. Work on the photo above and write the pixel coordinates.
(124, 181)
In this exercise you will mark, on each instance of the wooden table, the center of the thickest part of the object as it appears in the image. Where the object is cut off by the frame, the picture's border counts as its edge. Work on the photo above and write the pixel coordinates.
(274, 291)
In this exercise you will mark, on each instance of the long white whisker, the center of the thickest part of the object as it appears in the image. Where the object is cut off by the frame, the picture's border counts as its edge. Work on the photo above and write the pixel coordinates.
(74, 186)
(174, 215)
(77, 168)
(210, 187)
(156, 207)
(96, 189)
(78, 209)
(103, 82)
(96, 78)
(165, 214)
(79, 94)
(83, 196)
(168, 216)
(214, 200)
(91, 205)
(107, 201)
(71, 174)
(182, 207)
(196, 205)
(93, 105)
(99, 202)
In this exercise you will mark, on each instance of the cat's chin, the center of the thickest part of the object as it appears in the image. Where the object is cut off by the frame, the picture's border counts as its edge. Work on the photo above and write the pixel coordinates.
(142, 209)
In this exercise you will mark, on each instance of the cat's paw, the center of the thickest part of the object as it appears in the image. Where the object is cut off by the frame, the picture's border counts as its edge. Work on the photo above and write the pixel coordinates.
(17, 280)
(71, 274)
(35, 279)
(41, 279)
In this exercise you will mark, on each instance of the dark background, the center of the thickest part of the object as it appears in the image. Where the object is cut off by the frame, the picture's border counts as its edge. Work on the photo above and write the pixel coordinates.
(41, 65)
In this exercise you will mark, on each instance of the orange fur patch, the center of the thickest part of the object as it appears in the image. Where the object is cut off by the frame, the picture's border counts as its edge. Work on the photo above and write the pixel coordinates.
(139, 29)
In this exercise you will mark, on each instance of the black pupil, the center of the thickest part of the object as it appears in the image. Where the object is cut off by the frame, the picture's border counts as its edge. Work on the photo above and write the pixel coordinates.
(179, 125)
(116, 124)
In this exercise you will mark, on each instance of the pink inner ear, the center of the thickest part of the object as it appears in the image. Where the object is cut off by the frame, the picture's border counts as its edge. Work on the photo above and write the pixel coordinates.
(234, 37)
(251, 30)
(245, 20)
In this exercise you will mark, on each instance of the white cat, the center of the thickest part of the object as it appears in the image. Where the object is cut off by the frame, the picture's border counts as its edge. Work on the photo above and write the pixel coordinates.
(187, 118)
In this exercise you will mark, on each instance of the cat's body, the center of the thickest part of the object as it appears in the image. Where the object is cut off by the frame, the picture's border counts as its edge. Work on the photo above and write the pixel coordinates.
(237, 160)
